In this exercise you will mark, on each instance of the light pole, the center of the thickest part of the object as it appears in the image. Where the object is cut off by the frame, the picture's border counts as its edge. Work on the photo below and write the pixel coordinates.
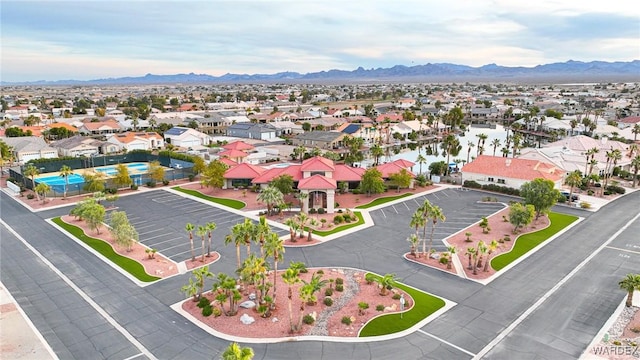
(402, 302)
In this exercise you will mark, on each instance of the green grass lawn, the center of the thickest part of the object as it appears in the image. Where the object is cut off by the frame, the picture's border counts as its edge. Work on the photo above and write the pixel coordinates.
(234, 204)
(129, 265)
(341, 227)
(526, 242)
(382, 200)
(424, 306)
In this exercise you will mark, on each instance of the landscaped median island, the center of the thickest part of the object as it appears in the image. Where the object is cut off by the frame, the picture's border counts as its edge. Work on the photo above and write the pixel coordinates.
(234, 204)
(326, 302)
(486, 247)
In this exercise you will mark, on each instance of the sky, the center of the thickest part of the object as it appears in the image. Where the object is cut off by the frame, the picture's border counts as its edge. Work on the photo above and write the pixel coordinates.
(94, 39)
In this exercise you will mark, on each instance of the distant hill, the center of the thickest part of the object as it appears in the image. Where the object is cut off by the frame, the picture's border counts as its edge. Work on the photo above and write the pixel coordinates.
(570, 71)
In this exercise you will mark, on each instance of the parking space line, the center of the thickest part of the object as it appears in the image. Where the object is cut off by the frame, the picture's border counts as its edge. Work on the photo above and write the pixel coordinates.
(174, 246)
(153, 237)
(405, 204)
(182, 253)
(161, 242)
(383, 214)
(394, 208)
(152, 231)
(625, 250)
(447, 343)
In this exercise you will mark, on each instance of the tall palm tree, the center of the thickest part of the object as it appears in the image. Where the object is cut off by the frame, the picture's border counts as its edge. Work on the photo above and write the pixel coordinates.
(573, 179)
(590, 155)
(376, 152)
(492, 247)
(274, 247)
(418, 220)
(435, 214)
(236, 352)
(237, 236)
(290, 277)
(420, 160)
(635, 131)
(635, 165)
(65, 171)
(32, 171)
(42, 188)
(451, 250)
(470, 145)
(262, 231)
(516, 143)
(189, 228)
(202, 232)
(270, 196)
(413, 239)
(211, 226)
(630, 283)
(425, 210)
(495, 143)
(482, 137)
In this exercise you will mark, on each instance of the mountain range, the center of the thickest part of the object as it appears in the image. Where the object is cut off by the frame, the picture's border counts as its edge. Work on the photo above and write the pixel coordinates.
(569, 71)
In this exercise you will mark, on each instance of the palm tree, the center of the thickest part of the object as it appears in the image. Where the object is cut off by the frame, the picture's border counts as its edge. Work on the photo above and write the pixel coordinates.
(293, 228)
(249, 234)
(386, 283)
(481, 249)
(274, 247)
(516, 143)
(420, 160)
(236, 352)
(413, 239)
(290, 277)
(418, 220)
(201, 274)
(492, 247)
(302, 221)
(635, 131)
(65, 171)
(470, 145)
(425, 210)
(590, 155)
(495, 143)
(42, 188)
(31, 171)
(630, 284)
(262, 231)
(202, 232)
(435, 213)
(237, 237)
(481, 139)
(376, 152)
(635, 164)
(270, 196)
(211, 226)
(573, 179)
(451, 250)
(471, 254)
(189, 228)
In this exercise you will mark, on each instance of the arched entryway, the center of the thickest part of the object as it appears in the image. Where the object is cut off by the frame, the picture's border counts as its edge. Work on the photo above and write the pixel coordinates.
(317, 199)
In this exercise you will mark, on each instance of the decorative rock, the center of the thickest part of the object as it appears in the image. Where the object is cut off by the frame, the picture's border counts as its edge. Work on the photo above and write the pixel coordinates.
(314, 315)
(391, 308)
(247, 304)
(252, 296)
(246, 319)
(274, 320)
(353, 319)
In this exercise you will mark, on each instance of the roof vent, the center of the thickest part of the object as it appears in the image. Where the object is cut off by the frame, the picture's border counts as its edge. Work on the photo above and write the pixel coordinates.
(507, 162)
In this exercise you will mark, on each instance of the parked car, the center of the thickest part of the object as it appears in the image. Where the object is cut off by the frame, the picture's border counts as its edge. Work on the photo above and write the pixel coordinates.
(574, 197)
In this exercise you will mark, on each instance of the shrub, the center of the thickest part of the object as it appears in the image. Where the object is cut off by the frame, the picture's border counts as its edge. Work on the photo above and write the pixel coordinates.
(13, 180)
(362, 306)
(134, 187)
(328, 292)
(617, 342)
(369, 278)
(443, 260)
(338, 219)
(615, 189)
(111, 191)
(328, 301)
(207, 311)
(339, 281)
(165, 182)
(203, 302)
(346, 320)
(471, 184)
(339, 287)
(321, 211)
(312, 211)
(347, 218)
(217, 312)
(636, 329)
(191, 177)
(151, 184)
(308, 319)
(507, 237)
(396, 297)
(320, 272)
(380, 307)
(30, 196)
(590, 192)
(585, 205)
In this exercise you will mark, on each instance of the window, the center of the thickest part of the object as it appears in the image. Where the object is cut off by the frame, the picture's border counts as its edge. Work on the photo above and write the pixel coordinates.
(490, 179)
(501, 181)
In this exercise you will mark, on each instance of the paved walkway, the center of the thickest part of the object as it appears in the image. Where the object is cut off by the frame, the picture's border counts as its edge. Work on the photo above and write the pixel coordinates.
(19, 338)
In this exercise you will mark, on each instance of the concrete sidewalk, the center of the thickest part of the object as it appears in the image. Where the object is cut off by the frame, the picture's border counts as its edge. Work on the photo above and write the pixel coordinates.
(19, 339)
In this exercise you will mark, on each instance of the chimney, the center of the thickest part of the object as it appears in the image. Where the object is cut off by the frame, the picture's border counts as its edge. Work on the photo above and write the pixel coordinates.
(507, 162)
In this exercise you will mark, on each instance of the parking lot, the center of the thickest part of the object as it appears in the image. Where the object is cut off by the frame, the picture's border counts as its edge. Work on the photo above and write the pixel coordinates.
(160, 218)
(461, 209)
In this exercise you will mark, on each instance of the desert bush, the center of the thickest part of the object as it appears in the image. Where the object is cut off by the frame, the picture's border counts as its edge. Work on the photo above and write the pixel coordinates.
(339, 281)
(312, 211)
(396, 297)
(30, 196)
(203, 302)
(585, 205)
(321, 211)
(308, 319)
(346, 320)
(380, 307)
(165, 182)
(328, 292)
(339, 287)
(328, 301)
(207, 311)
(338, 219)
(369, 278)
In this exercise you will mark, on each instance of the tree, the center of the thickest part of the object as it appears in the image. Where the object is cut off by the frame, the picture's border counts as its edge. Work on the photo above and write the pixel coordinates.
(573, 179)
(156, 171)
(635, 165)
(402, 179)
(451, 146)
(482, 137)
(93, 182)
(438, 168)
(413, 239)
(42, 189)
(541, 194)
(520, 215)
(122, 178)
(227, 289)
(470, 145)
(94, 214)
(270, 196)
(434, 213)
(202, 232)
(451, 250)
(386, 283)
(630, 283)
(495, 143)
(191, 289)
(354, 144)
(377, 152)
(315, 284)
(237, 236)
(189, 228)
(421, 160)
(123, 232)
(372, 182)
(210, 226)
(293, 228)
(198, 165)
(491, 248)
(274, 247)
(65, 171)
(284, 183)
(31, 171)
(213, 174)
(290, 277)
(236, 352)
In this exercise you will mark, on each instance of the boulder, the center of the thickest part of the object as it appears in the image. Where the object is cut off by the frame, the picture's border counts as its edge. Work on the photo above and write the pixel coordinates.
(247, 304)
(252, 296)
(246, 319)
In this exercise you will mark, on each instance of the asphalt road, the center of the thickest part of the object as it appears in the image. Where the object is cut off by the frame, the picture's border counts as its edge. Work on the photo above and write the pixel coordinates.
(522, 314)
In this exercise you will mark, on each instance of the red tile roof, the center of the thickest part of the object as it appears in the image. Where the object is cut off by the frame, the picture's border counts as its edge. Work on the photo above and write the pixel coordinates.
(238, 145)
(292, 170)
(392, 168)
(347, 173)
(243, 171)
(317, 182)
(233, 154)
(513, 168)
(318, 163)
(228, 161)
(404, 163)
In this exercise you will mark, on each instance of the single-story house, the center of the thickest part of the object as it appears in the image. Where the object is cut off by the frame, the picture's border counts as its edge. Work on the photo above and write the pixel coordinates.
(186, 137)
(27, 148)
(510, 172)
(137, 141)
(253, 131)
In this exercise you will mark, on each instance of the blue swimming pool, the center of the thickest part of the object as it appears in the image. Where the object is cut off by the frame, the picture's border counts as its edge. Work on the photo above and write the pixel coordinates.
(111, 170)
(57, 180)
